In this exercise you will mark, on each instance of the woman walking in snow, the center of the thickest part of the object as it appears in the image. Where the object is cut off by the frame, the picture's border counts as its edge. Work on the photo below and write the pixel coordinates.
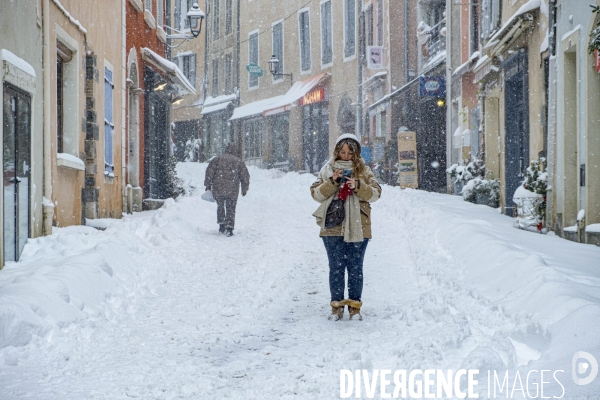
(345, 188)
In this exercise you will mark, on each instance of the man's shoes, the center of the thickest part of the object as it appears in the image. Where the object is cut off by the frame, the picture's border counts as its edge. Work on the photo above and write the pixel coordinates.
(221, 228)
(228, 232)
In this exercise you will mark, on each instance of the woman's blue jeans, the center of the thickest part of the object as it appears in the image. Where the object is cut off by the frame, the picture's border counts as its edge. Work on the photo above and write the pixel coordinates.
(345, 256)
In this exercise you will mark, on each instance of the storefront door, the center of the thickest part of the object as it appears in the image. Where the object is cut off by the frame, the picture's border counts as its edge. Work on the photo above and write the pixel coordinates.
(16, 171)
(156, 148)
(517, 128)
(315, 126)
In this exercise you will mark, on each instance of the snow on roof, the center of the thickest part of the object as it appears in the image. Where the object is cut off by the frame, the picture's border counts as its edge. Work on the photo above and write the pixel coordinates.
(297, 91)
(216, 107)
(219, 99)
(18, 62)
(481, 61)
(68, 15)
(529, 6)
(435, 60)
(463, 67)
(254, 108)
(593, 228)
(170, 68)
(377, 75)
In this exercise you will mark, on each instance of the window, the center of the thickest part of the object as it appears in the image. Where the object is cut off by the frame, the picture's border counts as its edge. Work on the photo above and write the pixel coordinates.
(216, 21)
(252, 139)
(381, 124)
(326, 33)
(349, 28)
(148, 5)
(369, 25)
(215, 77)
(474, 27)
(490, 18)
(278, 47)
(181, 9)
(379, 22)
(159, 13)
(228, 73)
(109, 126)
(228, 17)
(60, 83)
(188, 67)
(253, 57)
(304, 25)
(64, 55)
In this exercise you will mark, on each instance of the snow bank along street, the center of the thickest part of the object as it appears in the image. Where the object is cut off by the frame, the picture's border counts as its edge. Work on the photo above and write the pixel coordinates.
(161, 306)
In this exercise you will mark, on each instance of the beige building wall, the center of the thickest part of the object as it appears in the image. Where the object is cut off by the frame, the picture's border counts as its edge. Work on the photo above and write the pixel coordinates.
(98, 33)
(259, 16)
(495, 95)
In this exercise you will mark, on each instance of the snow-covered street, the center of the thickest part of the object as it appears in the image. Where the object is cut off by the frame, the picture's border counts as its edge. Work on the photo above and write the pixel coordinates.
(161, 306)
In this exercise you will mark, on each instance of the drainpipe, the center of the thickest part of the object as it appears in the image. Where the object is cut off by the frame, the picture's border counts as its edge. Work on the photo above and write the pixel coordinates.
(552, 93)
(406, 48)
(359, 113)
(448, 91)
(47, 206)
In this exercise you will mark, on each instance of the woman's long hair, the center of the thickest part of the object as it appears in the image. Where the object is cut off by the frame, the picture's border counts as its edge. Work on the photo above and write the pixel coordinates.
(358, 164)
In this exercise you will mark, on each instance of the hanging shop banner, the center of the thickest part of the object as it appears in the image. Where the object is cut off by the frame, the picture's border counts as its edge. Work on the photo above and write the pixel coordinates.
(314, 96)
(434, 86)
(374, 57)
(407, 160)
(254, 69)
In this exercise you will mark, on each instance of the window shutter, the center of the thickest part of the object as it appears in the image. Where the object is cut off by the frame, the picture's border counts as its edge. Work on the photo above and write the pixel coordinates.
(495, 14)
(177, 21)
(305, 40)
(379, 22)
(148, 5)
(350, 22)
(193, 70)
(326, 32)
(253, 58)
(216, 19)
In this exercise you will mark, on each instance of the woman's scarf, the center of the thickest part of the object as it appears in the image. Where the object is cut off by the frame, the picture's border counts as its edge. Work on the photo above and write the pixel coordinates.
(352, 226)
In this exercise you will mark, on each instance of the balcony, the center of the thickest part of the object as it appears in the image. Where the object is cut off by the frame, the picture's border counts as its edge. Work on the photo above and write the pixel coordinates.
(432, 43)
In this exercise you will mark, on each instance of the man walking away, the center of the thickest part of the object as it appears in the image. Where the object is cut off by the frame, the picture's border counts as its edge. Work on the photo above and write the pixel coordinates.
(224, 175)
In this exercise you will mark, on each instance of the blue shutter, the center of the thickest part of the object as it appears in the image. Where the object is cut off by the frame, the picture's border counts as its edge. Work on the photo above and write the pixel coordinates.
(108, 122)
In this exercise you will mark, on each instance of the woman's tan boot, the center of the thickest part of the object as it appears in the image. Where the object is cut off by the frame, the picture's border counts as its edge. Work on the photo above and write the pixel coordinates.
(337, 310)
(354, 308)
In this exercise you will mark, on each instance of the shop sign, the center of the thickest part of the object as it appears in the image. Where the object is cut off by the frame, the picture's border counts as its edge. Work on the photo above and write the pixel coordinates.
(408, 176)
(314, 96)
(597, 61)
(374, 57)
(434, 86)
(254, 69)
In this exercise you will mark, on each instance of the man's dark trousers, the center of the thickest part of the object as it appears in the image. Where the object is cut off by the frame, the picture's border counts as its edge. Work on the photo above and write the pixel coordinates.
(226, 211)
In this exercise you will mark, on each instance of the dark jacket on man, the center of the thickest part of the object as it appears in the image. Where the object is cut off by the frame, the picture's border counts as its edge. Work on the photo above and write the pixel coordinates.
(225, 173)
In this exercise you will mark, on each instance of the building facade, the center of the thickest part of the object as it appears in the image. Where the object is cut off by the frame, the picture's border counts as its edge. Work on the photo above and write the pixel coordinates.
(154, 83)
(186, 114)
(290, 119)
(221, 80)
(574, 120)
(22, 115)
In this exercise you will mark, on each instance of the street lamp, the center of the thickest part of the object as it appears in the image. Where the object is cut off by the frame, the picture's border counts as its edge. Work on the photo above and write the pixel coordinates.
(195, 17)
(273, 64)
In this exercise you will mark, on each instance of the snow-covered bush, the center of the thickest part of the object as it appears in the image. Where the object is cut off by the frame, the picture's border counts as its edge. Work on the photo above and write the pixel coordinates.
(482, 191)
(595, 35)
(463, 174)
(192, 150)
(536, 181)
